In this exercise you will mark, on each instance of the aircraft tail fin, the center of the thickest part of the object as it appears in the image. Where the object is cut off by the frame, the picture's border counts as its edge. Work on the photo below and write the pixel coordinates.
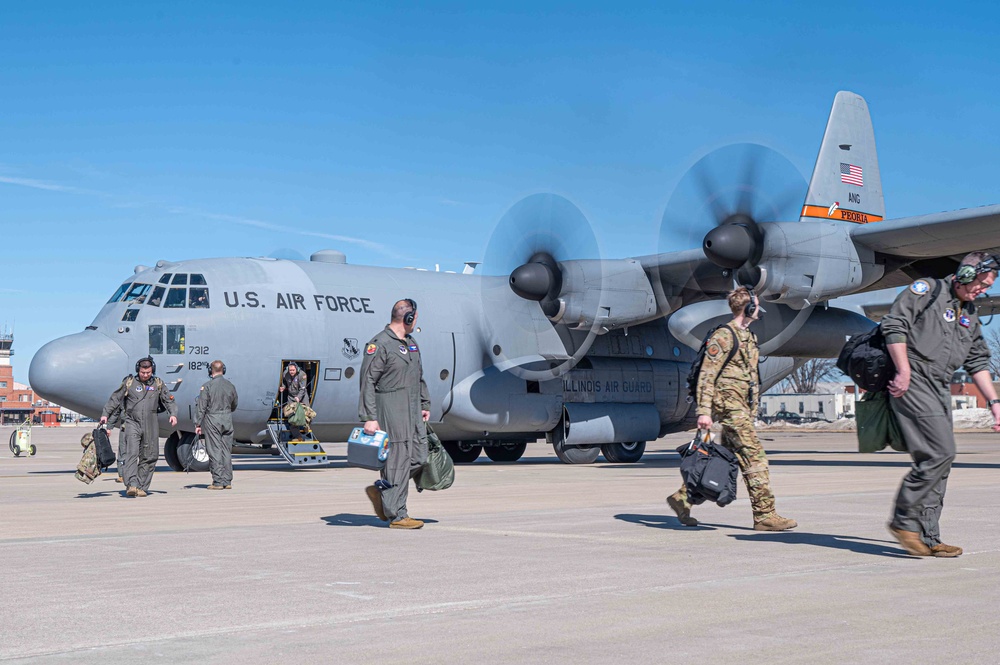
(846, 184)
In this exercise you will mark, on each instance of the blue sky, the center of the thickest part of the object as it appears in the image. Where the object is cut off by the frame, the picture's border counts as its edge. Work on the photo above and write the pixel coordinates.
(401, 134)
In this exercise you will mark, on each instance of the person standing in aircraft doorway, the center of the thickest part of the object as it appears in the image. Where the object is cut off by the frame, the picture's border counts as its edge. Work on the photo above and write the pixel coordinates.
(294, 382)
(394, 394)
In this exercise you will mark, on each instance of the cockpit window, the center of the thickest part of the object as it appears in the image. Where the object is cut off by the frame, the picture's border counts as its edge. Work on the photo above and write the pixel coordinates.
(165, 279)
(180, 279)
(198, 297)
(130, 314)
(120, 292)
(198, 280)
(175, 340)
(138, 293)
(175, 298)
(157, 298)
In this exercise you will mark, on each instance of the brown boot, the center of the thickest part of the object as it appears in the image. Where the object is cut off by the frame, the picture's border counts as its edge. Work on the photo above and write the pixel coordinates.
(910, 540)
(119, 480)
(227, 487)
(406, 523)
(946, 551)
(375, 496)
(683, 512)
(140, 492)
(775, 523)
(130, 491)
(213, 486)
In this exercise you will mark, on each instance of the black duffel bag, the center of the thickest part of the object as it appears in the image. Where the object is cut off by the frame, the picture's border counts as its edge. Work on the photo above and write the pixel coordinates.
(709, 471)
(866, 361)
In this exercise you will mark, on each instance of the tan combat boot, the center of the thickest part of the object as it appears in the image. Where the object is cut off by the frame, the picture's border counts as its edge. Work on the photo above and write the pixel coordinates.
(130, 491)
(946, 551)
(775, 523)
(375, 496)
(119, 480)
(140, 492)
(683, 512)
(910, 540)
(406, 523)
(213, 486)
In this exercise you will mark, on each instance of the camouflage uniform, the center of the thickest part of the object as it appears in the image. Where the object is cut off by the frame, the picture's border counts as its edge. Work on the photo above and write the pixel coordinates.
(393, 392)
(87, 469)
(728, 393)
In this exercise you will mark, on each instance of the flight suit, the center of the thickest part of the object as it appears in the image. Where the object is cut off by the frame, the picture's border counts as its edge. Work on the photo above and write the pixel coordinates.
(296, 390)
(142, 431)
(728, 393)
(941, 334)
(214, 414)
(393, 392)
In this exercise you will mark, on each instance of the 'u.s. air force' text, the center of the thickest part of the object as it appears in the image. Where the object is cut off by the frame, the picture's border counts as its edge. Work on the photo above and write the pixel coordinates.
(321, 302)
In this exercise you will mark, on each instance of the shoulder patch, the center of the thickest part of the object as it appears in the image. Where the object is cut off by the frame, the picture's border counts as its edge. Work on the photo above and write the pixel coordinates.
(370, 349)
(920, 287)
(713, 349)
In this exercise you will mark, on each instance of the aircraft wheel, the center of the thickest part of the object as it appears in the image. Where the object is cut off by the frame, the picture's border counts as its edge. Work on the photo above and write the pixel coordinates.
(629, 452)
(185, 453)
(462, 452)
(506, 452)
(170, 452)
(576, 455)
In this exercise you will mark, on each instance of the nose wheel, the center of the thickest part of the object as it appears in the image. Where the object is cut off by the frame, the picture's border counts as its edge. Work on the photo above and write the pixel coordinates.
(182, 453)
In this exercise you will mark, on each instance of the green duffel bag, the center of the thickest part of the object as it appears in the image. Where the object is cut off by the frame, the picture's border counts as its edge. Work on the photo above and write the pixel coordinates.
(438, 472)
(299, 417)
(877, 425)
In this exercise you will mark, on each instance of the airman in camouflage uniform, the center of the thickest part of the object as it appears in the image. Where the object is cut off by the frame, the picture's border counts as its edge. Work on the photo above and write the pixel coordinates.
(727, 394)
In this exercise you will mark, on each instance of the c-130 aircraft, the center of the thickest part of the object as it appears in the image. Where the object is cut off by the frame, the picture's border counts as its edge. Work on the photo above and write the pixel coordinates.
(591, 354)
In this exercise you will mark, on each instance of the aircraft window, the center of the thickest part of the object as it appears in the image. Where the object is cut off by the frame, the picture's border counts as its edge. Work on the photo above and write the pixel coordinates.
(130, 315)
(175, 298)
(180, 279)
(198, 280)
(197, 298)
(175, 339)
(165, 279)
(138, 293)
(120, 292)
(155, 339)
(157, 298)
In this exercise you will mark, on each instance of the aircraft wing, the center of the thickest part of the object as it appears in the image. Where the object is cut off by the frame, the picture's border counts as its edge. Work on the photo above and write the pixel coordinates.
(687, 271)
(931, 236)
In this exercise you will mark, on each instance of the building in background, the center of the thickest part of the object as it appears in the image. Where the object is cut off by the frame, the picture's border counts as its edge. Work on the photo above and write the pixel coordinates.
(18, 402)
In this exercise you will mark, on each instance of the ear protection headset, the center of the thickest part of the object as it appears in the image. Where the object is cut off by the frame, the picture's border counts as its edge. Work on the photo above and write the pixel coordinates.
(412, 314)
(966, 274)
(142, 360)
(210, 368)
(751, 307)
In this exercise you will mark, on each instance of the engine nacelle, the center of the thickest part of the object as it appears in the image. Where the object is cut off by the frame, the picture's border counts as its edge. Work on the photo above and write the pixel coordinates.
(608, 294)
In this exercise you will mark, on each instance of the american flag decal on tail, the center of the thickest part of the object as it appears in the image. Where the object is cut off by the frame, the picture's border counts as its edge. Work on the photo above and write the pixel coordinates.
(851, 174)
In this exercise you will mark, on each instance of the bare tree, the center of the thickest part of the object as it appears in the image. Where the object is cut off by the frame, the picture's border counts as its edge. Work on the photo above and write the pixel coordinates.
(993, 341)
(811, 373)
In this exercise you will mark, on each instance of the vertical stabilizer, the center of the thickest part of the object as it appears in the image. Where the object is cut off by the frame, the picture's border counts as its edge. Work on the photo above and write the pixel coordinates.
(846, 184)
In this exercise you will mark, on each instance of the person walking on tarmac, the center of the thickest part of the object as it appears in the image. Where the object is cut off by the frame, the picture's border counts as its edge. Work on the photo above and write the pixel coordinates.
(933, 329)
(296, 382)
(139, 397)
(394, 394)
(727, 393)
(214, 419)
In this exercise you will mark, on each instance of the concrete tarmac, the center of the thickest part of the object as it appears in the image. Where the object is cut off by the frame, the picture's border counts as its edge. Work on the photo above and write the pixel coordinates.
(529, 562)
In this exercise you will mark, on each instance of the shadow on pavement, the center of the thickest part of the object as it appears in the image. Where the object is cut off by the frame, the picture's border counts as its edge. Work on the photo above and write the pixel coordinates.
(850, 543)
(661, 522)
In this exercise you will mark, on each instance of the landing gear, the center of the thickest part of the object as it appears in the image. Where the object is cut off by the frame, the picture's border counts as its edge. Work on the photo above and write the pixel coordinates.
(179, 451)
(506, 452)
(576, 454)
(624, 453)
(463, 452)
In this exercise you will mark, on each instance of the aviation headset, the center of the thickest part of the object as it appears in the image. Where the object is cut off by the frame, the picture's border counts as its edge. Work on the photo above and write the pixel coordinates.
(210, 368)
(966, 274)
(412, 314)
(751, 307)
(142, 360)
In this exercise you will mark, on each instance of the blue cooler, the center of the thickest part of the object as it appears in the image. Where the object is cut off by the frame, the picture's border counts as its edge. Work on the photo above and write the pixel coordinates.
(369, 451)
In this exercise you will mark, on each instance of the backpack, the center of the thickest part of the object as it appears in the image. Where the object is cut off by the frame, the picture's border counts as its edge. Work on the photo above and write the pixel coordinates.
(692, 378)
(102, 446)
(88, 469)
(709, 471)
(865, 359)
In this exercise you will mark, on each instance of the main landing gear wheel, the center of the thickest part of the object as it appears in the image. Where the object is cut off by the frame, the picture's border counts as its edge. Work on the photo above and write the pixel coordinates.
(575, 454)
(179, 453)
(463, 452)
(624, 453)
(506, 452)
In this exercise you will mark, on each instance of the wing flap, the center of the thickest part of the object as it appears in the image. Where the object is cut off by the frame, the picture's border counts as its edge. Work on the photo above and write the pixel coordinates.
(929, 236)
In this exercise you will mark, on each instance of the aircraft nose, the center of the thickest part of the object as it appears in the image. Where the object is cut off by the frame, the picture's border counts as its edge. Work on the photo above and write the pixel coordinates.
(79, 371)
